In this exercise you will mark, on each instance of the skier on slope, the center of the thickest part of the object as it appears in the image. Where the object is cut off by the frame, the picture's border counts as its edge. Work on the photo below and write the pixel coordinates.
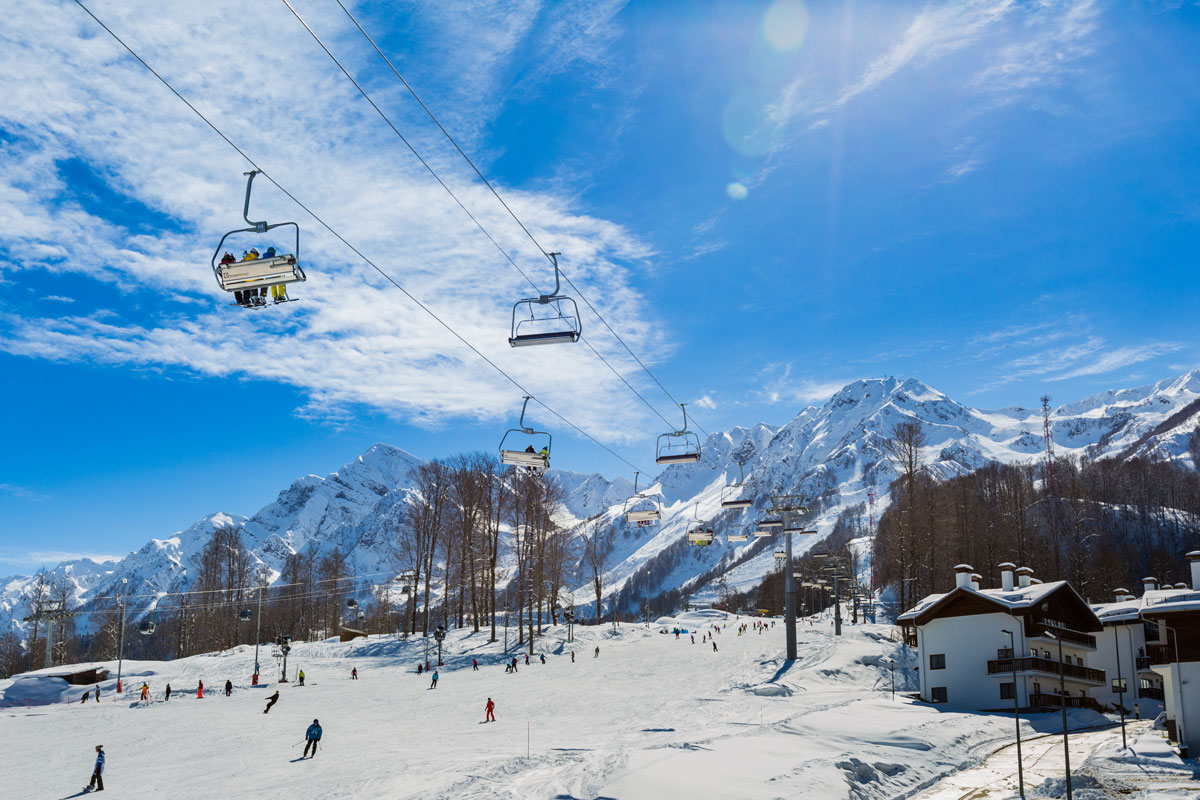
(714, 645)
(272, 700)
(228, 687)
(167, 696)
(200, 690)
(435, 677)
(97, 780)
(597, 655)
(475, 665)
(301, 676)
(312, 738)
(542, 656)
(354, 674)
(491, 711)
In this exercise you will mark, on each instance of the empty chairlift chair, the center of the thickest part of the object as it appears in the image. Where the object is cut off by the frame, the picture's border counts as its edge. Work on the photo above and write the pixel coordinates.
(547, 319)
(738, 535)
(147, 627)
(678, 447)
(248, 280)
(535, 456)
(731, 495)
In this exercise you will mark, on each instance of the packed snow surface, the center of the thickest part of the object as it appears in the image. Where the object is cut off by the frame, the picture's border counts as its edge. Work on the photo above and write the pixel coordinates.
(651, 716)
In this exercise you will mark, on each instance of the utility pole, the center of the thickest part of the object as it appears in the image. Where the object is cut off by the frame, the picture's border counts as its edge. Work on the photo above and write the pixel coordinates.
(1012, 652)
(837, 606)
(258, 634)
(121, 640)
(789, 599)
(47, 612)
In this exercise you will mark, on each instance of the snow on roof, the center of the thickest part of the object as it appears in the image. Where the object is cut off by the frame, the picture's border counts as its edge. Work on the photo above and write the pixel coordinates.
(1020, 597)
(1160, 600)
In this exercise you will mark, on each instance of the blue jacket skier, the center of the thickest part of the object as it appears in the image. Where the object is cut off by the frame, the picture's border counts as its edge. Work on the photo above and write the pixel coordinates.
(313, 736)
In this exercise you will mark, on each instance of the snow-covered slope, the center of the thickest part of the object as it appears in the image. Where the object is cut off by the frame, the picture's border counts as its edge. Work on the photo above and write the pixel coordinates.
(833, 454)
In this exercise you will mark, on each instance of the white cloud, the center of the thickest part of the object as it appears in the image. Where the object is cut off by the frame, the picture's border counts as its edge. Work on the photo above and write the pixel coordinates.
(780, 386)
(352, 338)
(706, 402)
(23, 492)
(1120, 358)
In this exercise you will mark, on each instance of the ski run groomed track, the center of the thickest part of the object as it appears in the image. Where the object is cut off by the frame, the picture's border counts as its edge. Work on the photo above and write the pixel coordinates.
(651, 717)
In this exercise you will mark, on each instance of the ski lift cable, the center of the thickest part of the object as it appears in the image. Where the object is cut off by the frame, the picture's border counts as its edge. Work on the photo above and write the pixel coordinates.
(459, 202)
(344, 241)
(499, 198)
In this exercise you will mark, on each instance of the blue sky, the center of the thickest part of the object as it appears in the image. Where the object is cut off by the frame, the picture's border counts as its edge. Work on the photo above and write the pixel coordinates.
(767, 200)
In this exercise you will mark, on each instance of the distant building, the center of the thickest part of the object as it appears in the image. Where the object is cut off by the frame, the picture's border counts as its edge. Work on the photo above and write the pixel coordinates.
(968, 658)
(1122, 653)
(1176, 656)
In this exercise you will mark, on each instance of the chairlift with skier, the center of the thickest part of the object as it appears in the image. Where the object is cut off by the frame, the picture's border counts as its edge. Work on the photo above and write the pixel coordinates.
(533, 458)
(249, 278)
(644, 509)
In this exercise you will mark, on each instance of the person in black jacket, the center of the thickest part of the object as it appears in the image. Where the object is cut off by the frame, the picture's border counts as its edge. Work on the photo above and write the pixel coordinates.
(272, 700)
(228, 688)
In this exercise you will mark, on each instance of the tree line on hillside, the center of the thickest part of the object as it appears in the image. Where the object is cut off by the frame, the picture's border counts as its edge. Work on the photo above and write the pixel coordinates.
(1101, 524)
(473, 544)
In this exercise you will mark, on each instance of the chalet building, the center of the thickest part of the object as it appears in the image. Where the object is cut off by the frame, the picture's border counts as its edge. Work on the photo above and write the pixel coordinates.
(970, 661)
(1176, 655)
(1122, 652)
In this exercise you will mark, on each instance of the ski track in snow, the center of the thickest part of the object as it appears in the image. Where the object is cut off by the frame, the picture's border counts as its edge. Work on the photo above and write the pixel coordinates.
(651, 717)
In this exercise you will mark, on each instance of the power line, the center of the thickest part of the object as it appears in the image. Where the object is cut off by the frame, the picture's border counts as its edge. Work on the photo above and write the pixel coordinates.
(508, 208)
(354, 249)
(455, 197)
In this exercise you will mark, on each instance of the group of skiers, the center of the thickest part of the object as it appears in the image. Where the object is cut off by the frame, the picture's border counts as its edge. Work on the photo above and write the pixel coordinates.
(258, 295)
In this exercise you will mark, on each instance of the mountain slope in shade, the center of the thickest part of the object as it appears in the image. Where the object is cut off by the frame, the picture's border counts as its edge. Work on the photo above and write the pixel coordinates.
(832, 454)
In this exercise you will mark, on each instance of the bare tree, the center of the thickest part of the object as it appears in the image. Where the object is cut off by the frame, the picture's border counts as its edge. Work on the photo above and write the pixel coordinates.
(597, 549)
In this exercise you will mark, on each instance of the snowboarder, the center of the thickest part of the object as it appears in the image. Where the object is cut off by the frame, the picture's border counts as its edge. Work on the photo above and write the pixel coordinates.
(272, 700)
(167, 696)
(97, 781)
(228, 687)
(301, 676)
(597, 655)
(313, 738)
(200, 691)
(491, 709)
(475, 665)
(354, 674)
(434, 684)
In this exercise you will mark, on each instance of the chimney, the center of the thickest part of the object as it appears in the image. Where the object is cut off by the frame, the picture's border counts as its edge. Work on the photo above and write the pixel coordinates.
(1149, 585)
(1121, 594)
(962, 575)
(1006, 576)
(976, 581)
(1034, 581)
(1024, 575)
(1194, 562)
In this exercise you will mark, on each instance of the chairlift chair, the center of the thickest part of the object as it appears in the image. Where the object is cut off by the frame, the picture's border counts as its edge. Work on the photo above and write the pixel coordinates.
(770, 523)
(351, 603)
(701, 534)
(737, 536)
(731, 494)
(245, 278)
(244, 615)
(644, 509)
(561, 325)
(780, 555)
(762, 533)
(147, 627)
(678, 447)
(532, 459)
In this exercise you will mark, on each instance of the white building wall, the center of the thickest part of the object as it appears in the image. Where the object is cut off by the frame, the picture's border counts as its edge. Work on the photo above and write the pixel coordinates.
(1128, 639)
(968, 643)
(1183, 701)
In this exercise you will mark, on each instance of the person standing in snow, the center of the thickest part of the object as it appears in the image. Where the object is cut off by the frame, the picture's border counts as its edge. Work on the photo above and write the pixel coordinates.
(693, 638)
(354, 674)
(97, 693)
(527, 659)
(597, 655)
(301, 676)
(97, 780)
(145, 691)
(420, 668)
(542, 656)
(272, 700)
(312, 738)
(514, 663)
(714, 645)
(228, 687)
(200, 691)
(572, 656)
(167, 696)
(475, 665)
(434, 684)
(491, 711)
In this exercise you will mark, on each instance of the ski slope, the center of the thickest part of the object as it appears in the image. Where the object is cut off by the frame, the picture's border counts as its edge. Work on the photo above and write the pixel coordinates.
(651, 717)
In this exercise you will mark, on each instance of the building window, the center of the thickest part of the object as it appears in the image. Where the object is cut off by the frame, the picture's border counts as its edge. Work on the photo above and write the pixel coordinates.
(1045, 654)
(1037, 688)
(1008, 691)
(937, 661)
(1004, 652)
(1151, 631)
(937, 694)
(1079, 660)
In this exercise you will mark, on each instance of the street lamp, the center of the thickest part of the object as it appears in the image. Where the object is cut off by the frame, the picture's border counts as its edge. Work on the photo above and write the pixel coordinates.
(1012, 651)
(1062, 692)
(1120, 686)
(121, 641)
(1179, 728)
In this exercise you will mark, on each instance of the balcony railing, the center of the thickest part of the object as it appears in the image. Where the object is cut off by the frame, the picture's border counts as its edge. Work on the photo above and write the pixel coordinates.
(1036, 629)
(1160, 654)
(1056, 701)
(1002, 666)
(1143, 663)
(1150, 693)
